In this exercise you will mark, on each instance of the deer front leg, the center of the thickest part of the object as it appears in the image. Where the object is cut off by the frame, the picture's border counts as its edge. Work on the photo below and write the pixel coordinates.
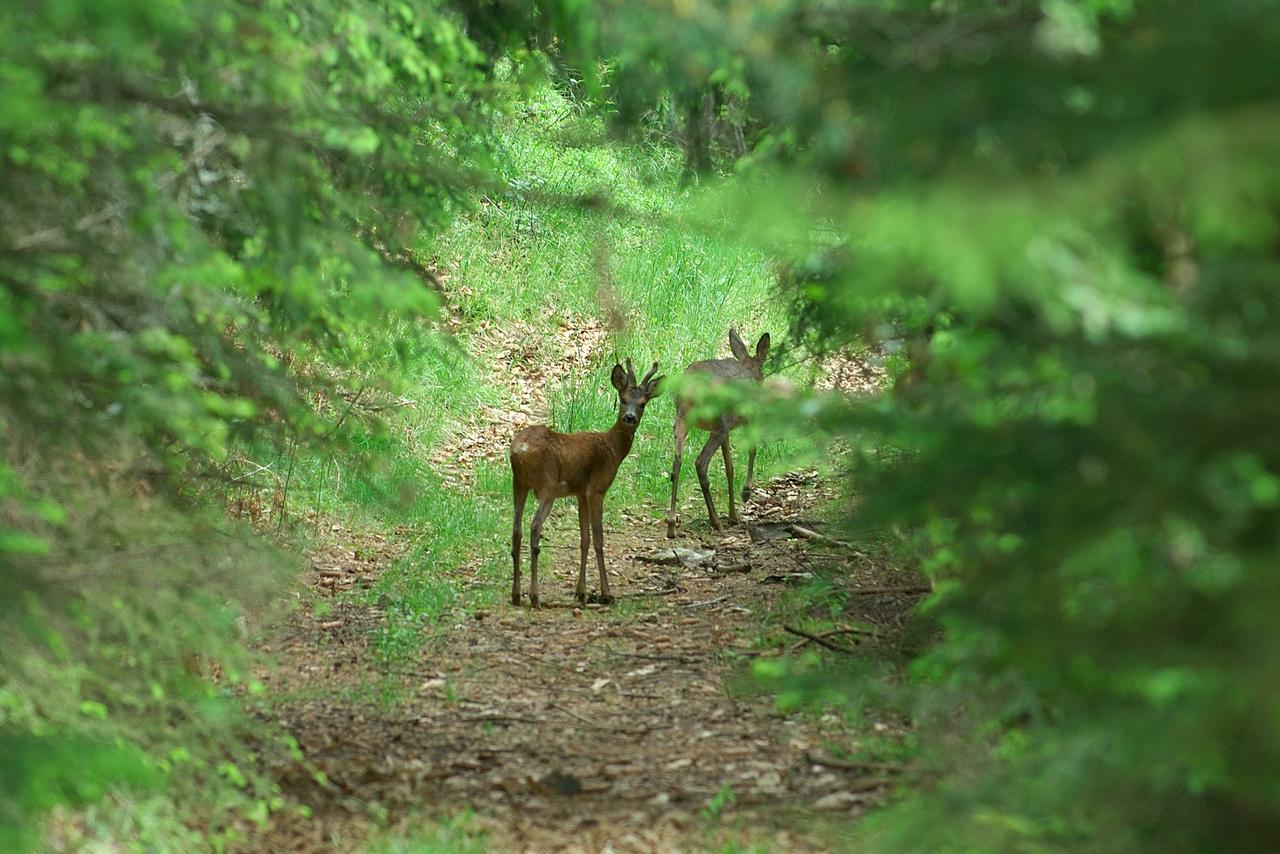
(535, 537)
(704, 460)
(520, 496)
(584, 545)
(751, 473)
(728, 476)
(597, 534)
(679, 434)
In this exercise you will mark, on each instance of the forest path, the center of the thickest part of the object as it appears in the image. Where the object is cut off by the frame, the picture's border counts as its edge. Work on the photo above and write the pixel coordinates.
(579, 729)
(630, 728)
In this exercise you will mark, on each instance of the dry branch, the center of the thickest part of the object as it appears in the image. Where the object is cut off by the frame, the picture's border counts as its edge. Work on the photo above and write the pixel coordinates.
(818, 639)
(705, 603)
(913, 589)
(809, 534)
(850, 764)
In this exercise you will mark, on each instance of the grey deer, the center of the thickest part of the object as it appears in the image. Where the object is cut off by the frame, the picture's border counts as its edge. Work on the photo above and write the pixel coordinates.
(742, 367)
(556, 465)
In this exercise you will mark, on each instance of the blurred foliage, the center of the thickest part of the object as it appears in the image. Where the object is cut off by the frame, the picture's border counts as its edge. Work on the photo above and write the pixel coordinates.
(1057, 221)
(1058, 225)
(207, 217)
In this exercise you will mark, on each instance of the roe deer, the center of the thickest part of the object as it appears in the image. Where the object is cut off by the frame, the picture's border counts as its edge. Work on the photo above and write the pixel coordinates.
(555, 465)
(742, 367)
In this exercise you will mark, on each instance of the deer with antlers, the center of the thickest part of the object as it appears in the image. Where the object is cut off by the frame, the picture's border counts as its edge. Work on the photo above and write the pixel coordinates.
(742, 367)
(555, 465)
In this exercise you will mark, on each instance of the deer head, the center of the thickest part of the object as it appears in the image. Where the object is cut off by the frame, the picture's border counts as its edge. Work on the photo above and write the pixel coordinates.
(633, 395)
(755, 363)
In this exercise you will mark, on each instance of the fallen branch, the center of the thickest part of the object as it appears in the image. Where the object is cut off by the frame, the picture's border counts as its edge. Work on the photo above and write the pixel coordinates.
(850, 764)
(837, 633)
(851, 630)
(679, 659)
(574, 715)
(819, 640)
(639, 593)
(706, 603)
(809, 534)
(915, 589)
(517, 719)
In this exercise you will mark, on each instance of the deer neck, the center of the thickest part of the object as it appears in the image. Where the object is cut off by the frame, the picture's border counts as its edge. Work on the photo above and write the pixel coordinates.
(621, 435)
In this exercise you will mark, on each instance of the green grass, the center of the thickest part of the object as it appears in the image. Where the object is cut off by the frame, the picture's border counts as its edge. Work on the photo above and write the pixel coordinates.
(537, 255)
(538, 247)
(450, 528)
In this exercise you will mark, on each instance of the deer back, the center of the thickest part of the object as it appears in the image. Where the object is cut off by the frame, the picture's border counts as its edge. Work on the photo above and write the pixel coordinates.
(726, 369)
(723, 370)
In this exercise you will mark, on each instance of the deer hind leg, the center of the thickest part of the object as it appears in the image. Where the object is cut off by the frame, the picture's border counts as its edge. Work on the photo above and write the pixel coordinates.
(751, 473)
(535, 538)
(718, 436)
(597, 534)
(680, 433)
(520, 496)
(728, 476)
(584, 545)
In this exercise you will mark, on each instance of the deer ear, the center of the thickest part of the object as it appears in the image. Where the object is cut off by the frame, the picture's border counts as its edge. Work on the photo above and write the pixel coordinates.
(619, 378)
(654, 387)
(735, 344)
(762, 347)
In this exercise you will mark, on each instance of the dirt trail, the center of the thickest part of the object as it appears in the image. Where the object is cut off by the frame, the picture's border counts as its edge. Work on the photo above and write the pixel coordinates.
(572, 729)
(569, 729)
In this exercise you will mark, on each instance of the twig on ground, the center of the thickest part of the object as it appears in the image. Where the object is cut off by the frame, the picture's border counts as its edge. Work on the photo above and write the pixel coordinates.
(679, 659)
(810, 534)
(914, 589)
(836, 633)
(706, 603)
(854, 630)
(818, 639)
(641, 593)
(517, 719)
(850, 630)
(573, 715)
(850, 764)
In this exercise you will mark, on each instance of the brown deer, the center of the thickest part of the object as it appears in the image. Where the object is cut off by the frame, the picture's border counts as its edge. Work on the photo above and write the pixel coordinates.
(742, 367)
(556, 465)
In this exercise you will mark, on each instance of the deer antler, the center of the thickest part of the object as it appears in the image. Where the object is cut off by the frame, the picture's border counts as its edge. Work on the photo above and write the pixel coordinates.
(649, 375)
(631, 374)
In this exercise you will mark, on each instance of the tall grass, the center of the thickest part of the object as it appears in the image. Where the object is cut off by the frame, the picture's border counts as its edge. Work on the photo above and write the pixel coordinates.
(599, 217)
